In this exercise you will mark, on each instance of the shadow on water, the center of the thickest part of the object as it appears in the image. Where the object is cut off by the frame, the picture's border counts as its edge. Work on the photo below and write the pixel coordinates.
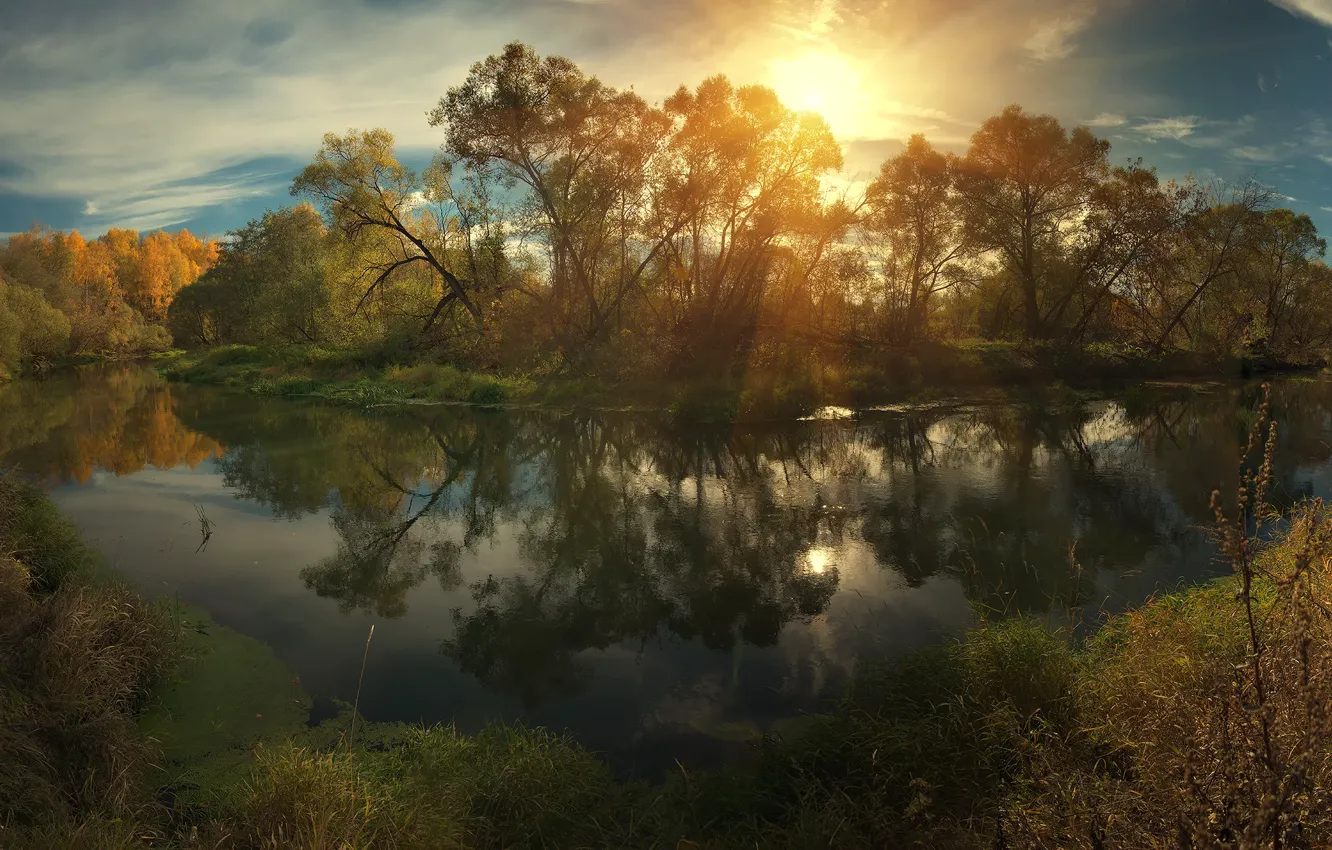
(656, 588)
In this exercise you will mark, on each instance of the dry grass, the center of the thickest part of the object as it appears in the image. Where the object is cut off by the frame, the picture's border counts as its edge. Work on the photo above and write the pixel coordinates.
(1205, 713)
(76, 664)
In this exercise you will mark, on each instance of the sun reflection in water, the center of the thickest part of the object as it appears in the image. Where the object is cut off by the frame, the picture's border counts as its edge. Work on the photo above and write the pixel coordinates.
(817, 560)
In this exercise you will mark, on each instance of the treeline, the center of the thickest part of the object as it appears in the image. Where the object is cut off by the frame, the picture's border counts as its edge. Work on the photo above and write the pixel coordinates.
(567, 225)
(63, 295)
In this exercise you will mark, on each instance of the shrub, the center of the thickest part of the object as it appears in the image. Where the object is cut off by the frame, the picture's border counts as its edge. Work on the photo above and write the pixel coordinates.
(32, 530)
(77, 667)
(431, 788)
(486, 393)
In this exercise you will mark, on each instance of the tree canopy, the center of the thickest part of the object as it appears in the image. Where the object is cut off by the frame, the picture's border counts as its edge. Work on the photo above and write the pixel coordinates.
(566, 224)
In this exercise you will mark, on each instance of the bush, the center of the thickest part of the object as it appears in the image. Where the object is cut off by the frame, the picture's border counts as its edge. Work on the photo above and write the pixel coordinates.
(32, 531)
(431, 788)
(78, 669)
(486, 393)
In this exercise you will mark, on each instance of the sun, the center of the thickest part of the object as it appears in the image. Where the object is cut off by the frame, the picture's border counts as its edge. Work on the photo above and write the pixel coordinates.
(822, 81)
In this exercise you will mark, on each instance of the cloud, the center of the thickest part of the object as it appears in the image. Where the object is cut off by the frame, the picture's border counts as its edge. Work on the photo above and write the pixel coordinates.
(161, 206)
(1253, 153)
(1107, 119)
(1262, 83)
(1318, 10)
(99, 106)
(1056, 36)
(266, 32)
(1176, 128)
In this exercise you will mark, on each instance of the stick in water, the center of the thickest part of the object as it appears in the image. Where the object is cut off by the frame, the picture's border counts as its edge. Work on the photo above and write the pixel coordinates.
(356, 707)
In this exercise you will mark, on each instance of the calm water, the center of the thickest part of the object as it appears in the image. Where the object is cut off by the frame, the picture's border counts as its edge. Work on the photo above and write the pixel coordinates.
(661, 592)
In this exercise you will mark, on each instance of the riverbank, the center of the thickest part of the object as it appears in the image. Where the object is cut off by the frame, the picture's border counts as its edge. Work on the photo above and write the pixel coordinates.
(132, 724)
(366, 379)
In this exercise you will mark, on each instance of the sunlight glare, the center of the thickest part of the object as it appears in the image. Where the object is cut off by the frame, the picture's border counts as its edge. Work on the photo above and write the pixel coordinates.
(820, 81)
(818, 560)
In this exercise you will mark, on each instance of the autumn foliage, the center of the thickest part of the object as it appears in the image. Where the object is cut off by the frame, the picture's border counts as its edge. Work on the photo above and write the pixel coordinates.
(62, 294)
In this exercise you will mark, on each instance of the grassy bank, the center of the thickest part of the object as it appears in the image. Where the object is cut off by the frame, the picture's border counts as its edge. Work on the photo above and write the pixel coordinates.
(367, 378)
(1196, 721)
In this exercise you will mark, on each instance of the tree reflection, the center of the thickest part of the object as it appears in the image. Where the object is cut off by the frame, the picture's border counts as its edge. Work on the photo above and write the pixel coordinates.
(619, 529)
(378, 561)
(115, 419)
(631, 527)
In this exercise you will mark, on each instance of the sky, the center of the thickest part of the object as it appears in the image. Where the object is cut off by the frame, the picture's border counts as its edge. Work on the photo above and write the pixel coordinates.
(194, 113)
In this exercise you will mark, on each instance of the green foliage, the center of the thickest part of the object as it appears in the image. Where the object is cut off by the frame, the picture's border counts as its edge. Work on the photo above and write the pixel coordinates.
(32, 530)
(486, 393)
(30, 328)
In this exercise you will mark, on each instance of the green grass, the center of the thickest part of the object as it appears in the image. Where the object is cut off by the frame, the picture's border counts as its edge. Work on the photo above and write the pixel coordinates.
(79, 657)
(373, 377)
(33, 532)
(347, 377)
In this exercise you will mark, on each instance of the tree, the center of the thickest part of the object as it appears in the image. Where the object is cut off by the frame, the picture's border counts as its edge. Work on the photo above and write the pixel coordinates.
(369, 195)
(1025, 182)
(29, 326)
(1207, 250)
(587, 154)
(915, 221)
(745, 178)
(1282, 248)
(162, 269)
(271, 282)
(1127, 216)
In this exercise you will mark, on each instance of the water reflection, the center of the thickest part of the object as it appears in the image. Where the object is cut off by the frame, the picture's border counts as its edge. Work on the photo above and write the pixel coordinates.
(559, 544)
(120, 420)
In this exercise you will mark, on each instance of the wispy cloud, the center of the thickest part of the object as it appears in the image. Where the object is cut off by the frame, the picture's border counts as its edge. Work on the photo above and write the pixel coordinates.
(1055, 38)
(1318, 10)
(1252, 153)
(1176, 128)
(157, 207)
(1107, 119)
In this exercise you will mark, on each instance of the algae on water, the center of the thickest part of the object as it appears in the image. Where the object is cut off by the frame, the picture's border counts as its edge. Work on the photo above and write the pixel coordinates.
(231, 694)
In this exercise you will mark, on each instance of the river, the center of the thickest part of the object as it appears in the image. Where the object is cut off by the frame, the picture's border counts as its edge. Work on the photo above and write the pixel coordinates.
(662, 592)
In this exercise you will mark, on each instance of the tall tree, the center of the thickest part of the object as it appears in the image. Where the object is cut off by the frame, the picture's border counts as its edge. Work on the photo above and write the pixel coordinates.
(1208, 251)
(745, 176)
(1025, 182)
(587, 154)
(368, 194)
(915, 219)
(1282, 248)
